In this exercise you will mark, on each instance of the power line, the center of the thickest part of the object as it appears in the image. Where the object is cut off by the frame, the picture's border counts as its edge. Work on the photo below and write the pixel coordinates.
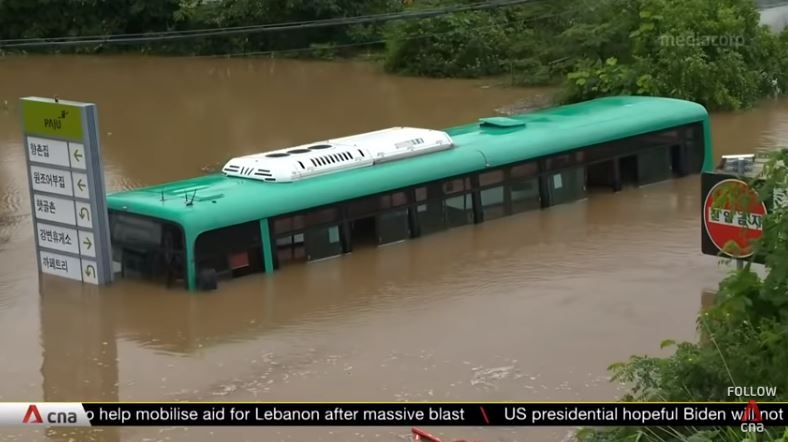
(167, 33)
(180, 35)
(366, 43)
(296, 24)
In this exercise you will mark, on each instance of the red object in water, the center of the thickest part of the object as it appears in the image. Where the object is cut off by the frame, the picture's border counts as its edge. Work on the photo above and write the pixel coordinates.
(239, 260)
(419, 433)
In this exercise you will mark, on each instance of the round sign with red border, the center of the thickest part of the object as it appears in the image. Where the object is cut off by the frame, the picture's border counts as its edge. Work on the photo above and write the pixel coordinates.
(730, 224)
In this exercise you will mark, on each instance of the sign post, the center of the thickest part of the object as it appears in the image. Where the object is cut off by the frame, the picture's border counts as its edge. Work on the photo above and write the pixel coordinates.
(730, 224)
(67, 194)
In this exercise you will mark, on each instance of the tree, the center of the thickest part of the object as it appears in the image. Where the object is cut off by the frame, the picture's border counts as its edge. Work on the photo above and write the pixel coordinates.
(710, 51)
(48, 19)
(255, 12)
(743, 337)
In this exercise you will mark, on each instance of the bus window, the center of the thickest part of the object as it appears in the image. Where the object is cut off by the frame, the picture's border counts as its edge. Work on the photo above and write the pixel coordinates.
(491, 178)
(492, 199)
(146, 248)
(696, 148)
(322, 242)
(567, 185)
(653, 165)
(230, 250)
(524, 170)
(459, 210)
(392, 200)
(131, 229)
(290, 248)
(456, 186)
(307, 236)
(393, 225)
(493, 203)
(523, 187)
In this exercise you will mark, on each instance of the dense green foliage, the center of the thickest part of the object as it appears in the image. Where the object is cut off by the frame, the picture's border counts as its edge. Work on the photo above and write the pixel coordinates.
(64, 18)
(743, 339)
(516, 40)
(232, 13)
(710, 51)
(47, 19)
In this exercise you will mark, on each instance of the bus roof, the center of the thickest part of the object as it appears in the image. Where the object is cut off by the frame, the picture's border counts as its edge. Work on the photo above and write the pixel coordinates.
(222, 201)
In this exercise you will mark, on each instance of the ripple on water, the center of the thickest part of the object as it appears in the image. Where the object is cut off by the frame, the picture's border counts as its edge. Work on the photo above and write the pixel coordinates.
(10, 287)
(116, 179)
(11, 220)
(119, 183)
(12, 201)
(13, 226)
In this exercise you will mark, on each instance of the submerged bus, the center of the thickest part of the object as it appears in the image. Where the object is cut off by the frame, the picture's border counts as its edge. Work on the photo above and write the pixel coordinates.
(325, 199)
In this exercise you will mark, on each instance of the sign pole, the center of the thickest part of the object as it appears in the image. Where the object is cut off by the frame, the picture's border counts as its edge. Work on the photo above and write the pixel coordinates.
(740, 170)
(67, 192)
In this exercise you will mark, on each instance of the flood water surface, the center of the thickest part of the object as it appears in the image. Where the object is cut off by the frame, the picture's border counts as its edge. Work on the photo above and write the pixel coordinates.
(529, 307)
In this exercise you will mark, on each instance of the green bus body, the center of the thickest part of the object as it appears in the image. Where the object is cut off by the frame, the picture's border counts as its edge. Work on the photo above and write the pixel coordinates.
(206, 203)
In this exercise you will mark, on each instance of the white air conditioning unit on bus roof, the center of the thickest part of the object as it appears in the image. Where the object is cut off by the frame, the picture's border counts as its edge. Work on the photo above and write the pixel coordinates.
(330, 156)
(399, 142)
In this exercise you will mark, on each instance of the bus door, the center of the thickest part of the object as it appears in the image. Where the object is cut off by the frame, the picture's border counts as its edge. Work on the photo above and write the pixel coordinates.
(393, 226)
(322, 242)
(322, 236)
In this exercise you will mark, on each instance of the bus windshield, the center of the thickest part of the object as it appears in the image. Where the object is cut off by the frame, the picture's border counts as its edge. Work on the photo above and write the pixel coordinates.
(146, 248)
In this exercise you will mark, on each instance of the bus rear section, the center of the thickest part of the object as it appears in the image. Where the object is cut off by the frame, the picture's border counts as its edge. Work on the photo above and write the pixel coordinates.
(147, 248)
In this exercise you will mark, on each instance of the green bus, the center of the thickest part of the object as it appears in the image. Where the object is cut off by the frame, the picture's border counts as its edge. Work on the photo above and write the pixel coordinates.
(323, 199)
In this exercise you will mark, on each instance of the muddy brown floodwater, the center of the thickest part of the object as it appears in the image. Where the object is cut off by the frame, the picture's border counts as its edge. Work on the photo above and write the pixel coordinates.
(530, 307)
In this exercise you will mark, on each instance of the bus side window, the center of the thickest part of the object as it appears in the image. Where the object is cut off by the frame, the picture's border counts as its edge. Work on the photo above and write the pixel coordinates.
(230, 250)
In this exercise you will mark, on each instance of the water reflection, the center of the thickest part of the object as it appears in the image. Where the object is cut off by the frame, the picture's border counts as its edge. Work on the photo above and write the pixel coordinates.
(80, 361)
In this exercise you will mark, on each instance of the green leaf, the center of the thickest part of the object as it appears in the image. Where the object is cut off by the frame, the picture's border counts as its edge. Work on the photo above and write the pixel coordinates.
(647, 26)
(616, 366)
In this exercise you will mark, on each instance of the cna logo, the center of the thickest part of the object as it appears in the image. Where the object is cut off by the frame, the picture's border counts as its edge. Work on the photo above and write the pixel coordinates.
(751, 420)
(50, 414)
(62, 414)
(752, 413)
(32, 416)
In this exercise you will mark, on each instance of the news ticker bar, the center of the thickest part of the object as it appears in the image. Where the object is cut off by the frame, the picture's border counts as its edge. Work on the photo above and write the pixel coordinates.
(392, 414)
